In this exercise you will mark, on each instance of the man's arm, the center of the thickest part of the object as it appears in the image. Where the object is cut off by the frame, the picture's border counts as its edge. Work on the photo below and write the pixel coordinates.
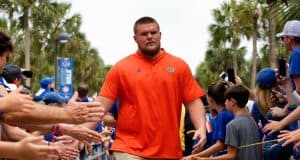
(41, 114)
(197, 114)
(28, 149)
(15, 101)
(230, 155)
(12, 133)
(217, 147)
(274, 126)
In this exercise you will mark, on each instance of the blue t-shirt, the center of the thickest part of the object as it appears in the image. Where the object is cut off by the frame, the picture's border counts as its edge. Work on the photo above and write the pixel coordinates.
(294, 64)
(39, 96)
(259, 118)
(219, 132)
(3, 82)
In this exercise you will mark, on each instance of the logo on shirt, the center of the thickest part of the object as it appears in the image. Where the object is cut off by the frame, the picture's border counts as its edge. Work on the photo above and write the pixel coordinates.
(170, 69)
(138, 70)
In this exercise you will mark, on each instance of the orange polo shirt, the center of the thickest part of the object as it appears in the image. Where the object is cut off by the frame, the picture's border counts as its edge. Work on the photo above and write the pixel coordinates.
(151, 92)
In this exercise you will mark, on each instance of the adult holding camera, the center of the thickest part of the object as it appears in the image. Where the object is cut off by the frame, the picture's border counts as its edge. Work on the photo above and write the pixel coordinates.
(290, 37)
(291, 40)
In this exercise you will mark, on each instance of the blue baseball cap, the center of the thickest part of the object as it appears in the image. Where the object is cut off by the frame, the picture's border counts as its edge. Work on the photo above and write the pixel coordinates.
(44, 82)
(266, 78)
(54, 97)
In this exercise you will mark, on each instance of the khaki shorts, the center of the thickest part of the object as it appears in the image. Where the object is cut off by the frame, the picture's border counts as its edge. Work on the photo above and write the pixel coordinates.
(127, 156)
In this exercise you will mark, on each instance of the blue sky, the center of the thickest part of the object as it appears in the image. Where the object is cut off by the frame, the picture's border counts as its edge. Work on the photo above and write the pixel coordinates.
(184, 26)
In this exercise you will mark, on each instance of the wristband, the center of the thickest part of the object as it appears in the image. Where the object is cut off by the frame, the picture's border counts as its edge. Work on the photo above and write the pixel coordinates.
(58, 130)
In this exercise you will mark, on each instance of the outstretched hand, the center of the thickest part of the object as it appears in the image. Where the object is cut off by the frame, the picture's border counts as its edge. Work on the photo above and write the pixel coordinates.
(290, 137)
(201, 135)
(84, 134)
(15, 101)
(81, 112)
(272, 126)
(30, 149)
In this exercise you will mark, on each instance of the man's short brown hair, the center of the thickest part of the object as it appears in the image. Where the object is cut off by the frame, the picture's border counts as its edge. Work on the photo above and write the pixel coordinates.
(144, 20)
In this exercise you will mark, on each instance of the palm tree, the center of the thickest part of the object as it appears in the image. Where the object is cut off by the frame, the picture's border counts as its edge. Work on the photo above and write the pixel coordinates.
(47, 20)
(272, 33)
(252, 11)
(229, 28)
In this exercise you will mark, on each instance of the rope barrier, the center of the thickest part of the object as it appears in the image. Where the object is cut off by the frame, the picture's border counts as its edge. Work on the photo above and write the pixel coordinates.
(243, 146)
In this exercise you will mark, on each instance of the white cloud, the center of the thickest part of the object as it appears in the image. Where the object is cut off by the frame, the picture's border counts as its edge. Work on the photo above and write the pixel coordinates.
(184, 25)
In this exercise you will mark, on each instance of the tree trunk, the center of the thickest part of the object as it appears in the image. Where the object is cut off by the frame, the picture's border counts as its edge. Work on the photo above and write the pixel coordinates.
(272, 35)
(27, 42)
(254, 52)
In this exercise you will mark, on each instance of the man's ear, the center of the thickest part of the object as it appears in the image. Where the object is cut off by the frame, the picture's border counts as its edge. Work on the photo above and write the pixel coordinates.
(233, 100)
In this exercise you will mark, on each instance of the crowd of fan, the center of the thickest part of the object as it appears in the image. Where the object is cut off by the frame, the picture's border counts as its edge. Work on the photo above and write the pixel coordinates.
(49, 125)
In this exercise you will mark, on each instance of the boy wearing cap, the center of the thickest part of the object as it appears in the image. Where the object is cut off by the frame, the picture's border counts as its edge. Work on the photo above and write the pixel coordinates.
(13, 76)
(46, 84)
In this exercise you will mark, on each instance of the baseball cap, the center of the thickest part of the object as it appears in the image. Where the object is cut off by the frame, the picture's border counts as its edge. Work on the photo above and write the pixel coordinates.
(44, 82)
(54, 97)
(266, 78)
(291, 28)
(11, 72)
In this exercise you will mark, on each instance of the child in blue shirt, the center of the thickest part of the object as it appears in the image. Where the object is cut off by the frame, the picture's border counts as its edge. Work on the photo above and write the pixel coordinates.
(216, 100)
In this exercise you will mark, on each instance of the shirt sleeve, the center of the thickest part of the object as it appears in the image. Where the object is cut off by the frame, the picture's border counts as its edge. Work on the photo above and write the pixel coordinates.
(231, 135)
(295, 63)
(111, 84)
(221, 127)
(191, 89)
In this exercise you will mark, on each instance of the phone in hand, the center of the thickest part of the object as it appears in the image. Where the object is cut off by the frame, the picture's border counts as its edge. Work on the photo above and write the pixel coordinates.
(231, 75)
(282, 66)
(223, 76)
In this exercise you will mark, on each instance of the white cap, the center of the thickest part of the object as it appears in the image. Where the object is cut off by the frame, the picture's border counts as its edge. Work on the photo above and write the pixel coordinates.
(291, 28)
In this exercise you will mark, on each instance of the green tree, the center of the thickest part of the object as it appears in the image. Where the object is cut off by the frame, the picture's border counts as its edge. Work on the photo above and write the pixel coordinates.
(47, 21)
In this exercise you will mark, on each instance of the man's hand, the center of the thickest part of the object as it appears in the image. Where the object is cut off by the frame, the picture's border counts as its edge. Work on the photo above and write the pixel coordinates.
(15, 101)
(273, 126)
(81, 112)
(201, 135)
(29, 149)
(66, 150)
(289, 137)
(83, 134)
(193, 157)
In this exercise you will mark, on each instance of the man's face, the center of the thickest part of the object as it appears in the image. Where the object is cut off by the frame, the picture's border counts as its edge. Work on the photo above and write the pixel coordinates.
(287, 42)
(147, 37)
(228, 104)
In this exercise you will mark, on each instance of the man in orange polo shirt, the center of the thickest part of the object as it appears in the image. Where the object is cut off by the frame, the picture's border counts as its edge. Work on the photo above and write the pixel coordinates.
(151, 85)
